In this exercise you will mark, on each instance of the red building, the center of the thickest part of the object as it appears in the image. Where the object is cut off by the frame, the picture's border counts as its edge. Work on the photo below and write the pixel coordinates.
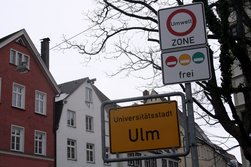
(27, 92)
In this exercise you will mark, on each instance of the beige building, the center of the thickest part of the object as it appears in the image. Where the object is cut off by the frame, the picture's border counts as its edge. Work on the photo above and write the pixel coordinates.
(209, 154)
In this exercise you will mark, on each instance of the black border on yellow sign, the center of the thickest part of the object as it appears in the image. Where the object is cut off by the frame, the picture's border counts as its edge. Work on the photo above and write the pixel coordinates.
(144, 105)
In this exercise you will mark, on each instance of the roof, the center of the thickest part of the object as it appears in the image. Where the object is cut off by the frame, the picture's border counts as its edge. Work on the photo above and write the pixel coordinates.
(102, 97)
(22, 33)
(71, 86)
(67, 89)
(8, 36)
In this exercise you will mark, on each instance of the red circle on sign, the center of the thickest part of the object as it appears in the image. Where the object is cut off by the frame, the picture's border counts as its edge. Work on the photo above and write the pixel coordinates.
(171, 61)
(172, 31)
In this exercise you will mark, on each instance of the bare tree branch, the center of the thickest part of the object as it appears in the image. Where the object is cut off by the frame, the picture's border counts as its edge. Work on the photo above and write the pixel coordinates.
(131, 14)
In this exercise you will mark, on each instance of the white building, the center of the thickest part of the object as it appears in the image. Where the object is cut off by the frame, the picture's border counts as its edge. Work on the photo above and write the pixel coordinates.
(79, 125)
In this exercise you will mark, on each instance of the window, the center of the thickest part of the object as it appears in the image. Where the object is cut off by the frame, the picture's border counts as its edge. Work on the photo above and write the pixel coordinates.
(136, 163)
(17, 138)
(71, 149)
(89, 123)
(172, 164)
(90, 153)
(150, 163)
(107, 155)
(88, 96)
(17, 58)
(40, 143)
(40, 102)
(18, 96)
(71, 118)
(164, 163)
(233, 30)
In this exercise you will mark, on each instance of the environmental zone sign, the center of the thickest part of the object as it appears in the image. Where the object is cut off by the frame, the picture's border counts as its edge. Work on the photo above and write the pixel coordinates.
(182, 26)
(144, 127)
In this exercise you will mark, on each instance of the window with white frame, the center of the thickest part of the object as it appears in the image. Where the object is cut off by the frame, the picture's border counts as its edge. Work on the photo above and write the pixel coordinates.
(40, 102)
(90, 152)
(89, 123)
(136, 163)
(71, 149)
(17, 58)
(71, 118)
(18, 96)
(17, 138)
(40, 143)
(88, 95)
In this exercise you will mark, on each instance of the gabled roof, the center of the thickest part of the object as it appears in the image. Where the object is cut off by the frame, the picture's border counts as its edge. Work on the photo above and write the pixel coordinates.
(8, 36)
(70, 87)
(102, 97)
(67, 89)
(23, 34)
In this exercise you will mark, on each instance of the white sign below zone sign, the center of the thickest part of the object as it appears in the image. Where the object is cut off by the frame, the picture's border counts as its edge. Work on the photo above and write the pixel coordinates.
(186, 66)
(182, 26)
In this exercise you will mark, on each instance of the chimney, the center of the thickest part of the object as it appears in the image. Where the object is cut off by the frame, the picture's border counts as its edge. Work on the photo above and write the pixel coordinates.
(45, 51)
(145, 93)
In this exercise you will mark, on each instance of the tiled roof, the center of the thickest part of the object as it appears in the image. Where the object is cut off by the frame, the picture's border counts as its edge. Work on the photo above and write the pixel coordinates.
(70, 87)
(102, 97)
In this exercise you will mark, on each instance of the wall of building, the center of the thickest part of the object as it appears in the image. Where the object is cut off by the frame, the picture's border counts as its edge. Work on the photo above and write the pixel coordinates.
(76, 102)
(33, 80)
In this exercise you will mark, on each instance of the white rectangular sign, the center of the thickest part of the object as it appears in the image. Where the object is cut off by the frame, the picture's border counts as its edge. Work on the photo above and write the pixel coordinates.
(182, 26)
(186, 66)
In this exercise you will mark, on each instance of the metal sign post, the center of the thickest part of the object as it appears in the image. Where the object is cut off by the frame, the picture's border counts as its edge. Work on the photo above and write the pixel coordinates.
(192, 134)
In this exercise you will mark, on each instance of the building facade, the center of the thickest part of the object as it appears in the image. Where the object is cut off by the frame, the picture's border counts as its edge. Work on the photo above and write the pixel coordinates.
(209, 154)
(27, 92)
(79, 125)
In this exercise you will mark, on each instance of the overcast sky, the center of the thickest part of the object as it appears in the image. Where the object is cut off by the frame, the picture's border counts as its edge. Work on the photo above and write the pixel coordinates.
(58, 18)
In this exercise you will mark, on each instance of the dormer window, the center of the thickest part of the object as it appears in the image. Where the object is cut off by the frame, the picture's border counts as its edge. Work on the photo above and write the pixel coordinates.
(18, 58)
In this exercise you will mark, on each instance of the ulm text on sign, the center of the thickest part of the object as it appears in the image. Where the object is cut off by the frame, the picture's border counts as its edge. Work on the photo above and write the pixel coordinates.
(143, 135)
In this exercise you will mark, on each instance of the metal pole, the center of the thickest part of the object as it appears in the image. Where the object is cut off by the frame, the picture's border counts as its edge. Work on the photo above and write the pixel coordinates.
(194, 152)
